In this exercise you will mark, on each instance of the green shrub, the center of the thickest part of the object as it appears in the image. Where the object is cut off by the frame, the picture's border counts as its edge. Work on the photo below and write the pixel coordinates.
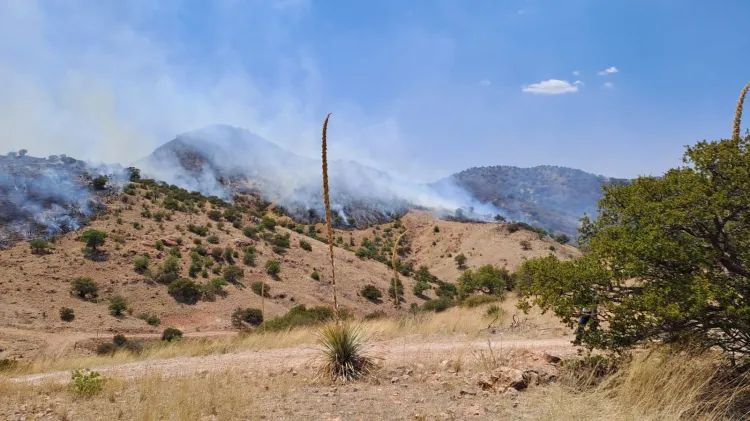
(420, 287)
(304, 245)
(435, 229)
(460, 260)
(315, 275)
(251, 232)
(248, 259)
(150, 319)
(67, 314)
(493, 310)
(343, 349)
(198, 229)
(171, 334)
(117, 305)
(141, 264)
(268, 223)
(106, 348)
(398, 287)
(212, 239)
(214, 214)
(487, 279)
(273, 267)
(257, 286)
(85, 288)
(119, 340)
(169, 271)
(217, 253)
(93, 238)
(437, 305)
(185, 291)
(99, 183)
(372, 293)
(477, 300)
(86, 383)
(39, 246)
(299, 316)
(377, 314)
(233, 274)
(243, 318)
(229, 255)
(175, 251)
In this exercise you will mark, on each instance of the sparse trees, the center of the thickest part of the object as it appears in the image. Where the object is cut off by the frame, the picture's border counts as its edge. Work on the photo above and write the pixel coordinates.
(67, 314)
(39, 246)
(487, 279)
(99, 182)
(460, 260)
(171, 334)
(372, 293)
(272, 267)
(260, 288)
(233, 274)
(185, 290)
(117, 305)
(243, 318)
(84, 288)
(93, 238)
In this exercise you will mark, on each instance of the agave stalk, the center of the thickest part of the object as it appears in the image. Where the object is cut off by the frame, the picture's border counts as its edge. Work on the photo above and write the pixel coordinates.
(329, 226)
(738, 112)
(395, 270)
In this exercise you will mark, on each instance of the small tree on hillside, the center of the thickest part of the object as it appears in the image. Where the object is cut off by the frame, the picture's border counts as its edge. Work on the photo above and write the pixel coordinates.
(84, 288)
(99, 182)
(39, 246)
(233, 274)
(117, 305)
(93, 238)
(460, 260)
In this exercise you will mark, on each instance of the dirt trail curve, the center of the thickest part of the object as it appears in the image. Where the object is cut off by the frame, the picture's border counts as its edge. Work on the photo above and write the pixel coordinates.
(290, 358)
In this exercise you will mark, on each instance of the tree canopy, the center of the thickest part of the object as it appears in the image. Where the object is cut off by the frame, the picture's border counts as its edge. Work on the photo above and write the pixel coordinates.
(667, 258)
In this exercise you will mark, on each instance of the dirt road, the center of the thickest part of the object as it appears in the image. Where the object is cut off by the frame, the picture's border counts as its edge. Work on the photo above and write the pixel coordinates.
(286, 359)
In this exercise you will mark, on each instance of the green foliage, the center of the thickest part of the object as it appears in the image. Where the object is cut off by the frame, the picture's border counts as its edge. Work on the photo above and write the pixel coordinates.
(217, 253)
(499, 218)
(304, 245)
(525, 244)
(248, 259)
(315, 275)
(150, 319)
(487, 279)
(39, 246)
(214, 287)
(268, 223)
(229, 255)
(212, 239)
(86, 383)
(251, 232)
(343, 351)
(100, 182)
(420, 287)
(117, 304)
(438, 305)
(233, 274)
(259, 287)
(67, 314)
(171, 334)
(93, 238)
(666, 258)
(159, 245)
(185, 291)
(299, 316)
(372, 293)
(134, 174)
(562, 239)
(175, 251)
(169, 271)
(273, 267)
(244, 318)
(140, 264)
(214, 215)
(436, 229)
(392, 289)
(460, 260)
(84, 288)
(198, 229)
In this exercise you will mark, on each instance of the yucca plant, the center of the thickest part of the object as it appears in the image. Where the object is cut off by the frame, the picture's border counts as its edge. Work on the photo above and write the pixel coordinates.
(329, 226)
(344, 355)
(397, 302)
(738, 112)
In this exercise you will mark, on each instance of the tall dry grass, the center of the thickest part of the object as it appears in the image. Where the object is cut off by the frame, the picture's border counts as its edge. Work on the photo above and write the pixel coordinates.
(329, 226)
(738, 112)
(395, 270)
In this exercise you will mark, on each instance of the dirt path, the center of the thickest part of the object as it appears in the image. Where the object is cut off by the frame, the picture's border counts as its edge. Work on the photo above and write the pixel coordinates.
(285, 359)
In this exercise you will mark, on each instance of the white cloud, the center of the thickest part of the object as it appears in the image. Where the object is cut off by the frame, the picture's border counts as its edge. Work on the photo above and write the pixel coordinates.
(551, 87)
(608, 84)
(578, 82)
(608, 71)
(485, 82)
(576, 73)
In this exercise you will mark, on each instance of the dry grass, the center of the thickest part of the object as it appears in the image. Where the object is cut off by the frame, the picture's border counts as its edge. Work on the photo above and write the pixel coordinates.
(738, 112)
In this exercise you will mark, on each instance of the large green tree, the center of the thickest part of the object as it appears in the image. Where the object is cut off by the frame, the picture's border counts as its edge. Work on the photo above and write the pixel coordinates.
(667, 258)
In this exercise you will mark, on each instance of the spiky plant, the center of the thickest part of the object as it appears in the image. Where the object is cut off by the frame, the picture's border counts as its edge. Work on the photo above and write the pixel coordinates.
(738, 112)
(395, 270)
(344, 354)
(329, 227)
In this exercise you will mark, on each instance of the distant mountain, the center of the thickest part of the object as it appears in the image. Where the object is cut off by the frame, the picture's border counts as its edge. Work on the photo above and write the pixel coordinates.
(554, 198)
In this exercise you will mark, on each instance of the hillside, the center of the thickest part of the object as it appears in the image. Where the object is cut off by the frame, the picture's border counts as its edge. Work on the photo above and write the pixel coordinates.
(554, 198)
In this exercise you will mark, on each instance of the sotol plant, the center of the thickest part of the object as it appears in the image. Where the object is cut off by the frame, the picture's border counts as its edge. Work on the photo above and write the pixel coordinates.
(395, 270)
(329, 226)
(738, 112)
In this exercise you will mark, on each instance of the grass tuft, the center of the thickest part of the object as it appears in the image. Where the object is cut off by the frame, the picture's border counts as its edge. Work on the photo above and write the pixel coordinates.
(344, 356)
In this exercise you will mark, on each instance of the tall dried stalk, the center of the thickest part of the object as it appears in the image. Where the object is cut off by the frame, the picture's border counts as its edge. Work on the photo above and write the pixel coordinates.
(738, 112)
(329, 226)
(395, 270)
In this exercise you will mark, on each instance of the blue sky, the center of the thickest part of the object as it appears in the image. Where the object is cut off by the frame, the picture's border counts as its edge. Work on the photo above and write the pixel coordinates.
(420, 88)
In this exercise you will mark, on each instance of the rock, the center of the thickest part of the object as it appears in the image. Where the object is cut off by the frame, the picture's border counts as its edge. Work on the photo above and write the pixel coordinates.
(394, 379)
(467, 392)
(552, 359)
(509, 377)
(484, 381)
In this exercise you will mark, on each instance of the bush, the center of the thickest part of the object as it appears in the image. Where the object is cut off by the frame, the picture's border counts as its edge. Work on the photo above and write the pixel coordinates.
(169, 271)
(437, 305)
(93, 238)
(85, 288)
(214, 215)
(150, 319)
(233, 274)
(562, 239)
(86, 383)
(460, 260)
(377, 314)
(99, 182)
(304, 245)
(487, 279)
(472, 301)
(251, 232)
(141, 265)
(299, 316)
(493, 310)
(343, 352)
(446, 290)
(67, 314)
(106, 348)
(217, 253)
(257, 286)
(119, 340)
(272, 267)
(420, 287)
(243, 318)
(39, 246)
(214, 287)
(372, 293)
(171, 334)
(198, 229)
(525, 245)
(185, 291)
(117, 305)
(229, 255)
(398, 287)
(212, 239)
(315, 275)
(175, 251)
(436, 229)
(268, 223)
(248, 259)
